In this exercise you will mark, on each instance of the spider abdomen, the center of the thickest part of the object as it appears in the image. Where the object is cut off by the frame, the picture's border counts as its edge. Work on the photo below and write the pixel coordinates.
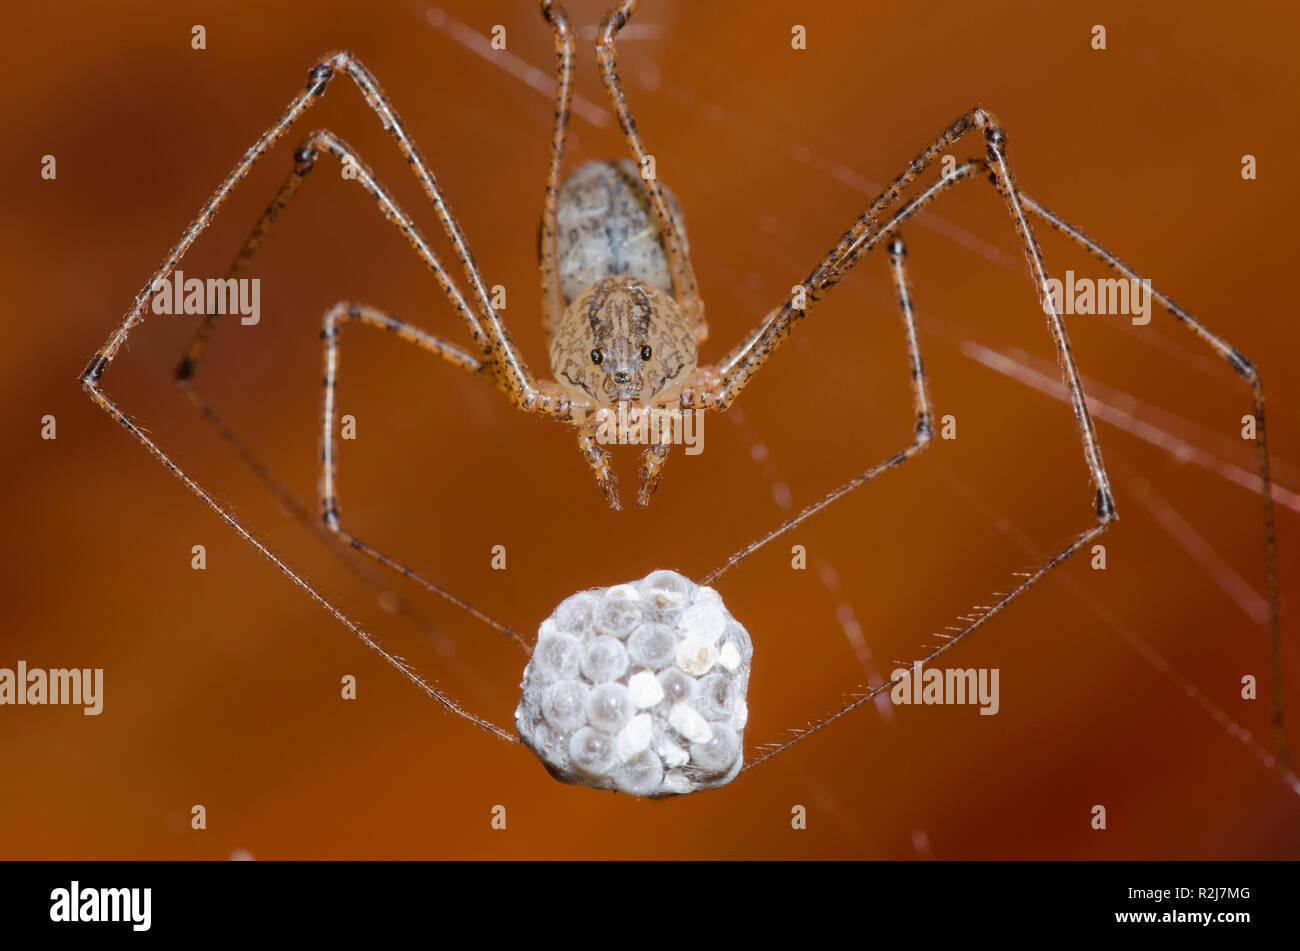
(607, 229)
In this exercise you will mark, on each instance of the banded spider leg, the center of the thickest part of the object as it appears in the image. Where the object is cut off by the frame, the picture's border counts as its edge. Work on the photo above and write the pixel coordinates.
(738, 368)
(497, 357)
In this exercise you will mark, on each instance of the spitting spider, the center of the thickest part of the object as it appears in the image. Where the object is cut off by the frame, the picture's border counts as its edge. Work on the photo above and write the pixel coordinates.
(625, 317)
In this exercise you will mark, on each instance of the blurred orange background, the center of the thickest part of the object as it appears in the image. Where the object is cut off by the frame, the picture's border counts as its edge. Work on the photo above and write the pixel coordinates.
(1118, 687)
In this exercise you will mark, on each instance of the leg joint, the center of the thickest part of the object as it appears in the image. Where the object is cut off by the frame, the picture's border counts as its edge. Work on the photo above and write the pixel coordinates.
(1106, 511)
(95, 370)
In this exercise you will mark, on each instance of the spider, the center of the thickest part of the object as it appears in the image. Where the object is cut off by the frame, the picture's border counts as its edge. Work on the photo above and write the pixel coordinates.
(625, 319)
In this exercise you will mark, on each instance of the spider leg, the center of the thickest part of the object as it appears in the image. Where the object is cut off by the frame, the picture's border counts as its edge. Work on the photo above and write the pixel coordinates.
(921, 406)
(1246, 370)
(304, 162)
(505, 364)
(548, 252)
(98, 396)
(867, 239)
(685, 290)
(740, 367)
(493, 339)
(318, 79)
(1029, 581)
(977, 168)
(745, 351)
(865, 232)
(300, 513)
(342, 313)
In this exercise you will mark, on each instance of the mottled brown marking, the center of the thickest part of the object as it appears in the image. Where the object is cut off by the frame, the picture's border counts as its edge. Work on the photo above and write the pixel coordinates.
(618, 317)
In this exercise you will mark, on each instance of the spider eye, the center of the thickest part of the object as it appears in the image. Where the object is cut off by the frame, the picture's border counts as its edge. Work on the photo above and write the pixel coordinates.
(645, 352)
(597, 355)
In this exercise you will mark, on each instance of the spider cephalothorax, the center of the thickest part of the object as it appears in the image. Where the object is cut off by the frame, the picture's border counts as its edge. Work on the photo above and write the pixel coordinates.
(623, 340)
